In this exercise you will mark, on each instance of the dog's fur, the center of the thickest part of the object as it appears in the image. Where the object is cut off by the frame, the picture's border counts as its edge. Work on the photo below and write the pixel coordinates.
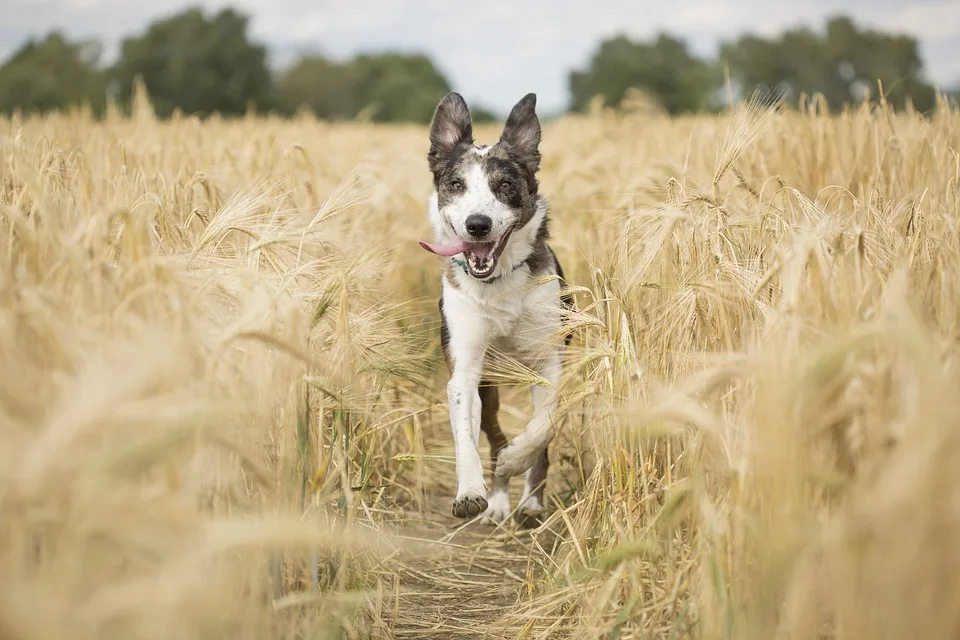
(510, 309)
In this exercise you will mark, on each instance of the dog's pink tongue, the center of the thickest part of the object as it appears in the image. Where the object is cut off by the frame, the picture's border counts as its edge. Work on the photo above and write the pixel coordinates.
(451, 249)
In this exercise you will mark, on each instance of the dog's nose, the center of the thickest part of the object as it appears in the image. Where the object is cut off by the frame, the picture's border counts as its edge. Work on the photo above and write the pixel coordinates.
(479, 225)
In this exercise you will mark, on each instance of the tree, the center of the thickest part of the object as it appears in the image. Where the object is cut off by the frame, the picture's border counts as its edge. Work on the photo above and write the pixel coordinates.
(480, 114)
(323, 86)
(198, 65)
(843, 64)
(398, 86)
(663, 69)
(393, 87)
(52, 74)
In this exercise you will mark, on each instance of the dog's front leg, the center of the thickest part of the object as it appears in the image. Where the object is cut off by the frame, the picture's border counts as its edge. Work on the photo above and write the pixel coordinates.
(524, 450)
(464, 403)
(465, 338)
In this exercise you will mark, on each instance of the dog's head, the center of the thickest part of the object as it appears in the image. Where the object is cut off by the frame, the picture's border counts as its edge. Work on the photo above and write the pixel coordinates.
(483, 193)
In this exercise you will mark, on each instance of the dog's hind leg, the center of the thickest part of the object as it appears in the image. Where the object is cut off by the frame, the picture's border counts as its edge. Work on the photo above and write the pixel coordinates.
(531, 502)
(521, 454)
(498, 503)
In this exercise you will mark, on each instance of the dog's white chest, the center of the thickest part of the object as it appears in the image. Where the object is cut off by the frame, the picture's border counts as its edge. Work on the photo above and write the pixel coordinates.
(503, 316)
(515, 319)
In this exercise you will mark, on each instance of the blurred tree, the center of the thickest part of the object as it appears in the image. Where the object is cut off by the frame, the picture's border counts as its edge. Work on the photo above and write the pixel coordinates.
(198, 65)
(480, 115)
(391, 87)
(398, 86)
(323, 86)
(663, 69)
(843, 64)
(52, 74)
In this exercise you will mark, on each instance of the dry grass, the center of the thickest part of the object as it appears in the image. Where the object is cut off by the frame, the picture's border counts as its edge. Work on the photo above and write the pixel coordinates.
(222, 382)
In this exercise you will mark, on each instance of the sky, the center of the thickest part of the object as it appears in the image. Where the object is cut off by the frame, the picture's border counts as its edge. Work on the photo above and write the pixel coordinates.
(492, 51)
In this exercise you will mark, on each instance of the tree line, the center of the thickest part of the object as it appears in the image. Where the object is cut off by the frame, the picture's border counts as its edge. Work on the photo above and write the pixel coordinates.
(201, 64)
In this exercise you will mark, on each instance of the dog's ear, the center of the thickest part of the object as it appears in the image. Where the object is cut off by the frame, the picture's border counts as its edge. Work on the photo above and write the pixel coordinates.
(451, 125)
(522, 131)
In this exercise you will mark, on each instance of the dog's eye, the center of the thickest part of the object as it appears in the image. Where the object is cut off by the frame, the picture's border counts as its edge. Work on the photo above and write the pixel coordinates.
(506, 184)
(456, 184)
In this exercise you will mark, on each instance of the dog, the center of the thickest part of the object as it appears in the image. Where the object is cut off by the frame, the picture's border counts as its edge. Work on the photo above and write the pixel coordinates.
(491, 224)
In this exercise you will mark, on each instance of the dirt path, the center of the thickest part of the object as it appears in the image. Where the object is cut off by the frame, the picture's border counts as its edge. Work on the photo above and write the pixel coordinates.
(459, 577)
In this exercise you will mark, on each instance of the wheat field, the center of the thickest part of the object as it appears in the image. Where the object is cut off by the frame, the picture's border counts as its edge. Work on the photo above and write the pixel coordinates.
(222, 406)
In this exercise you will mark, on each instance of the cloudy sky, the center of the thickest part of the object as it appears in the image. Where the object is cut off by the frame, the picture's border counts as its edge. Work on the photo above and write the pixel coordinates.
(492, 51)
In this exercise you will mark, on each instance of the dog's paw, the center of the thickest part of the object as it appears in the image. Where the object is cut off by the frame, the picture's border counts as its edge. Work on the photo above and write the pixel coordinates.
(531, 514)
(469, 504)
(527, 519)
(498, 508)
(515, 459)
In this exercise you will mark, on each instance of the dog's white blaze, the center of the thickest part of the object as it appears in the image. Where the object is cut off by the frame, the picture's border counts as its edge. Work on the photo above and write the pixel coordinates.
(477, 198)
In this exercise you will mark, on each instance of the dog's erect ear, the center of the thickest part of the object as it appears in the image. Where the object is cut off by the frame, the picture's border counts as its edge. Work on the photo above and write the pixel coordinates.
(522, 131)
(451, 126)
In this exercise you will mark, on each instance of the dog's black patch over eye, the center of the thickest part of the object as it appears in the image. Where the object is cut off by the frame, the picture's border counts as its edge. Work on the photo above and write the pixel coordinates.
(450, 186)
(506, 180)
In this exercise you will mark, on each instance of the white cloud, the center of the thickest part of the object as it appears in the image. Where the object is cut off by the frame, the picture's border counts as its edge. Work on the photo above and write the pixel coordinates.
(935, 20)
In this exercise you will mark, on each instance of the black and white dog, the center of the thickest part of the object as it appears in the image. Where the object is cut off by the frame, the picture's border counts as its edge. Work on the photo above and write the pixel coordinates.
(491, 225)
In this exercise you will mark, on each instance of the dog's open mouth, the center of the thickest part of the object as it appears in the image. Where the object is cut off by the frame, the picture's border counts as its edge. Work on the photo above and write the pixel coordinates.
(481, 257)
